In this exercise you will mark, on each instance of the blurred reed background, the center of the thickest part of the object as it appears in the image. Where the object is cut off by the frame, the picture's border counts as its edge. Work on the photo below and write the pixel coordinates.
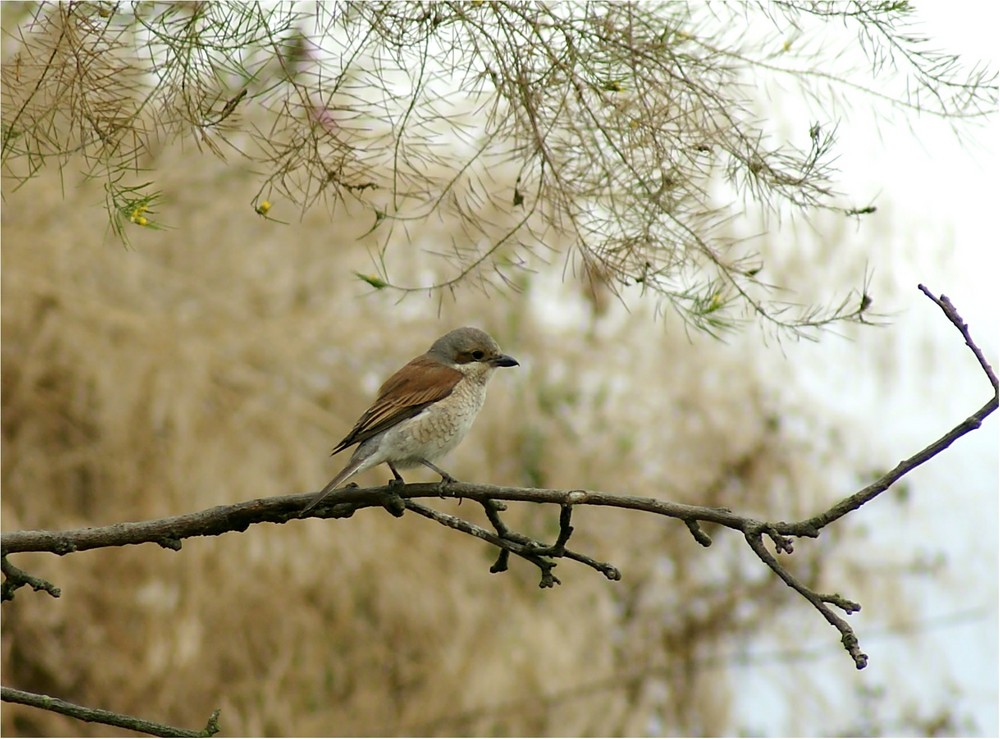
(219, 360)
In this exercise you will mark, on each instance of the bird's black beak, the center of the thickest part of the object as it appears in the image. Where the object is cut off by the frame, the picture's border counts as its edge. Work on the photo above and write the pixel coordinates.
(504, 361)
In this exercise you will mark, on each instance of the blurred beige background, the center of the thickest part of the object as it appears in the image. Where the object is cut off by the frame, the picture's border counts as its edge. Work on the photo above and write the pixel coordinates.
(219, 360)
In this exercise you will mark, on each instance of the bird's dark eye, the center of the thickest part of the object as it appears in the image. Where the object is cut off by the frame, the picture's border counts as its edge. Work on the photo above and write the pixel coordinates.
(478, 355)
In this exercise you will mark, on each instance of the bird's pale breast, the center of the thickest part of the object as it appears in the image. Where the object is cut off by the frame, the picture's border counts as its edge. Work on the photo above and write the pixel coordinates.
(438, 429)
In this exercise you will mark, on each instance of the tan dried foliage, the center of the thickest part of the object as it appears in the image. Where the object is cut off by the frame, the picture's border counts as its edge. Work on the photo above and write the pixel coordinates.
(220, 360)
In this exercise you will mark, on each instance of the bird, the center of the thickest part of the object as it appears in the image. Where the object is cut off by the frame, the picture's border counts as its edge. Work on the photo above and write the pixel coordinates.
(424, 410)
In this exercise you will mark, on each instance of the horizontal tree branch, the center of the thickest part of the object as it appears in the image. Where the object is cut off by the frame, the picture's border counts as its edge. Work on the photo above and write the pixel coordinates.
(170, 532)
(100, 716)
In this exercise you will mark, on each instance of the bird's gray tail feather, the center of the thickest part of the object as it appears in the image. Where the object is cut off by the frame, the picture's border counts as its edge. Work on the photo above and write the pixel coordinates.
(349, 470)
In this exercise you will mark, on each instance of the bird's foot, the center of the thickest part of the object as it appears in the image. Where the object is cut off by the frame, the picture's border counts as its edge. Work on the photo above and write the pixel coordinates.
(446, 481)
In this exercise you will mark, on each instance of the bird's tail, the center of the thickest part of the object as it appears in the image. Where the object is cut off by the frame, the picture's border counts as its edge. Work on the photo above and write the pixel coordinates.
(353, 466)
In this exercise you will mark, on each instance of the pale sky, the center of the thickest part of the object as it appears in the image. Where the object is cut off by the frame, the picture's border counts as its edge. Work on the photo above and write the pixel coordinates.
(943, 202)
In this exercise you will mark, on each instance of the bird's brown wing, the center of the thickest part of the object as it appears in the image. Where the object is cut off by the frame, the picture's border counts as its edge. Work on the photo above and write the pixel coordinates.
(411, 389)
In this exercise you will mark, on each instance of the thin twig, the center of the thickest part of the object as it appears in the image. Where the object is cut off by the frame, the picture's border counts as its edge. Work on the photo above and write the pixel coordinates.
(15, 577)
(847, 635)
(506, 545)
(949, 310)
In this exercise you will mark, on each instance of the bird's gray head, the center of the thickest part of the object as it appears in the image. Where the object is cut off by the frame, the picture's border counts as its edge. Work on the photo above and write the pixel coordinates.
(465, 345)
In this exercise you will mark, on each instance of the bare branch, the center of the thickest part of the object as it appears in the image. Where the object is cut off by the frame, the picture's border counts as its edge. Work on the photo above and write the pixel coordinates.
(819, 601)
(15, 578)
(109, 718)
(971, 423)
(949, 310)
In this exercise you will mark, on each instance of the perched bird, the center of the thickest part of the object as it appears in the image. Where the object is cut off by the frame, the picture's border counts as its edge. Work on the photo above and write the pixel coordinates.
(425, 409)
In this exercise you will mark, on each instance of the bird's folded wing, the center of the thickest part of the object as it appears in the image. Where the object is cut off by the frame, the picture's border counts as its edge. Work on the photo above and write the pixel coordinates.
(411, 389)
